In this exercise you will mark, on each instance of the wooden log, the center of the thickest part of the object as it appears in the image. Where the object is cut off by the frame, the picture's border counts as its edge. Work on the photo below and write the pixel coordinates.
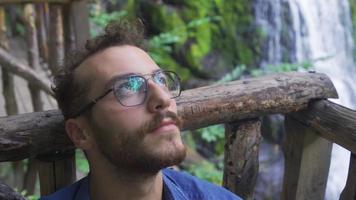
(3, 2)
(56, 171)
(13, 65)
(19, 142)
(242, 141)
(307, 162)
(56, 41)
(22, 135)
(232, 101)
(7, 192)
(332, 121)
(349, 191)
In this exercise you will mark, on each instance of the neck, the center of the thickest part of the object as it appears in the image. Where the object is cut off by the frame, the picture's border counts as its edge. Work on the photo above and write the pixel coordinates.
(111, 183)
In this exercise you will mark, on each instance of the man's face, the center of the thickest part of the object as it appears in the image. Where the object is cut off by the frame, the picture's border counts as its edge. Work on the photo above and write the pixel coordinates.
(144, 138)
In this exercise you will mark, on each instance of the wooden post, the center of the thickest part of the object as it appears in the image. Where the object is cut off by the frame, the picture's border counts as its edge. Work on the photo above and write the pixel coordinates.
(56, 171)
(42, 33)
(307, 162)
(56, 39)
(8, 82)
(69, 37)
(349, 191)
(242, 141)
(80, 18)
(34, 63)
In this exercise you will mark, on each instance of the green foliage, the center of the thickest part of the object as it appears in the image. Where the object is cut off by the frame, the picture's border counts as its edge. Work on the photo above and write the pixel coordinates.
(100, 19)
(27, 196)
(236, 73)
(81, 162)
(212, 133)
(353, 17)
(207, 171)
(161, 45)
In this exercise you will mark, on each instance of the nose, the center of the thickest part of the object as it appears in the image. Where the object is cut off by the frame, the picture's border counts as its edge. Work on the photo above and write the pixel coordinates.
(157, 98)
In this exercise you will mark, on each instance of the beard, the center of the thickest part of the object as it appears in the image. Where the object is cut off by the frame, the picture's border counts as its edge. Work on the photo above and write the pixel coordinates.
(136, 151)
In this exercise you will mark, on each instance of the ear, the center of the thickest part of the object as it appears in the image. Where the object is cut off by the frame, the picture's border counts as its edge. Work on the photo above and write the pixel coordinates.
(76, 132)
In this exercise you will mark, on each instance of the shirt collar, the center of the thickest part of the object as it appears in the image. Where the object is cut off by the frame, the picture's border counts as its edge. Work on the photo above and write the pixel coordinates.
(171, 191)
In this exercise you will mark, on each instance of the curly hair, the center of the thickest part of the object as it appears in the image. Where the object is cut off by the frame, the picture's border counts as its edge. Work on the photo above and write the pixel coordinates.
(69, 93)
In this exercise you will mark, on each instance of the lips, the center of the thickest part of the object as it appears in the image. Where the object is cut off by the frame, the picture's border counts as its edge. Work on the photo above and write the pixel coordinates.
(164, 125)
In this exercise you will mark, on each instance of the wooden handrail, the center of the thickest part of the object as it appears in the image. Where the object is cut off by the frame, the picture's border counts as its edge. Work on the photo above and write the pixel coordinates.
(332, 121)
(28, 135)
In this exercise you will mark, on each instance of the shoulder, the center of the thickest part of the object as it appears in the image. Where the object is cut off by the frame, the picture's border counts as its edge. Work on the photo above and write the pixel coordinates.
(195, 188)
(69, 193)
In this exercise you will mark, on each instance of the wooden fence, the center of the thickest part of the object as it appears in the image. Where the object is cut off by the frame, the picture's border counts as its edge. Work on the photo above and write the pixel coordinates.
(51, 27)
(312, 123)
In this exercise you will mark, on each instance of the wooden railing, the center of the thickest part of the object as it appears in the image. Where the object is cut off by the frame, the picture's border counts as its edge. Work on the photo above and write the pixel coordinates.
(312, 123)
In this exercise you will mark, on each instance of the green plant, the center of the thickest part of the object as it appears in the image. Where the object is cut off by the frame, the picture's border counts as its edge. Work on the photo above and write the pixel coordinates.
(81, 162)
(207, 171)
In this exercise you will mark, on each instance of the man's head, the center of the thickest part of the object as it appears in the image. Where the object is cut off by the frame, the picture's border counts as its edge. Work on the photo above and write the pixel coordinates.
(139, 134)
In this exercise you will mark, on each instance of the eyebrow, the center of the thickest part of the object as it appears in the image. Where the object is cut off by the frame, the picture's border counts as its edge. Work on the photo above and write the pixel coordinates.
(122, 76)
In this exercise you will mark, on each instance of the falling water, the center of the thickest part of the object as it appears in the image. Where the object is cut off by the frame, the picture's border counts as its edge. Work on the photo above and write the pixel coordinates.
(320, 32)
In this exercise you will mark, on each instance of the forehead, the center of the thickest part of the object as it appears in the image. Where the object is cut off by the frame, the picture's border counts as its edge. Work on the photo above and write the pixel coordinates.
(100, 68)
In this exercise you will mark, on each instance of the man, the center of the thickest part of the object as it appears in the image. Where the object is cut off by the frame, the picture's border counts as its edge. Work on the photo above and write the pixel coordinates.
(119, 108)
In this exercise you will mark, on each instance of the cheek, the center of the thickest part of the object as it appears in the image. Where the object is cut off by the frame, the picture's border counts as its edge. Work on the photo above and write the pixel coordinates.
(116, 117)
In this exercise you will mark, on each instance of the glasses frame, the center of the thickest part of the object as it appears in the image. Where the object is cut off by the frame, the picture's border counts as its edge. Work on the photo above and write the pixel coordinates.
(94, 101)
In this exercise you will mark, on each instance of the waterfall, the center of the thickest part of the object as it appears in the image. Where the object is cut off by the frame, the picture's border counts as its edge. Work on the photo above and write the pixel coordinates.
(319, 31)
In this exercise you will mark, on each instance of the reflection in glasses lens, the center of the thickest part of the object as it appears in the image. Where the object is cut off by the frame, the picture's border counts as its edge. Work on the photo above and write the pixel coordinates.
(132, 90)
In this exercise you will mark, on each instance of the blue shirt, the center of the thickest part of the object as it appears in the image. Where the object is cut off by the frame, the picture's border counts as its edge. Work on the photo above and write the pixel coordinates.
(176, 186)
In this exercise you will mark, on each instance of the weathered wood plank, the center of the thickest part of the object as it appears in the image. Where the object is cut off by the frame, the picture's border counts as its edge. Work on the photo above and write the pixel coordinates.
(349, 191)
(56, 171)
(242, 141)
(332, 121)
(3, 2)
(307, 162)
(29, 134)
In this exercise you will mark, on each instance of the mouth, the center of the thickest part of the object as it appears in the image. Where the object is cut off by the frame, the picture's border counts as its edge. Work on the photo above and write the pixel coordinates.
(165, 126)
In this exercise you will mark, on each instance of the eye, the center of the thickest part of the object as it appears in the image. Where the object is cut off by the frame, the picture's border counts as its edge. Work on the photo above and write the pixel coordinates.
(160, 78)
(134, 84)
(130, 86)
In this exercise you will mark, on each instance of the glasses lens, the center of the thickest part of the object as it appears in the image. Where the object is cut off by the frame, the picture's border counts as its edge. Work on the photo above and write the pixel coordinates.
(131, 90)
(169, 81)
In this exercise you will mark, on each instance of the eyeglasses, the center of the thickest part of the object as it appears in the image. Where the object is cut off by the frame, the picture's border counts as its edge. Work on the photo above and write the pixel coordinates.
(131, 90)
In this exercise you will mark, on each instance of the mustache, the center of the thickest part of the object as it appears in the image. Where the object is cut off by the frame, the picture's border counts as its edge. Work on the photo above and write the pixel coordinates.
(157, 120)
